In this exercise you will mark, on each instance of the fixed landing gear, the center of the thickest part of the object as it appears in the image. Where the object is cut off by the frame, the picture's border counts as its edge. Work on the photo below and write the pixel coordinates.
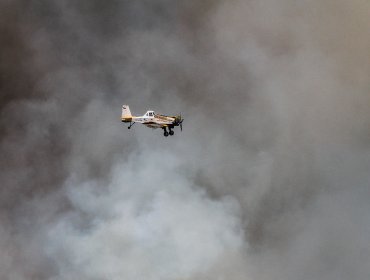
(166, 133)
(131, 124)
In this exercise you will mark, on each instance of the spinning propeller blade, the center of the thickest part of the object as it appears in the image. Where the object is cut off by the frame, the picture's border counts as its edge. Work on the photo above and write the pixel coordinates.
(179, 121)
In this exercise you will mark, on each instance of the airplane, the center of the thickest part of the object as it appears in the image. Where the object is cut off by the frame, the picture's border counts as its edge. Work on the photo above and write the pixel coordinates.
(152, 120)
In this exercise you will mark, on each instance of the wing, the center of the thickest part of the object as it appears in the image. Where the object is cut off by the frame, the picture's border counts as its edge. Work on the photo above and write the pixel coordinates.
(157, 124)
(153, 125)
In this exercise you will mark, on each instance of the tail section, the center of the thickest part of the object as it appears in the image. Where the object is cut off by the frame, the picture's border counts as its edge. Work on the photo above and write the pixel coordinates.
(126, 114)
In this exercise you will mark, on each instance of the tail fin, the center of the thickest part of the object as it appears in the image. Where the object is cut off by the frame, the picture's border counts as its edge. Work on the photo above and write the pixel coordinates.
(126, 114)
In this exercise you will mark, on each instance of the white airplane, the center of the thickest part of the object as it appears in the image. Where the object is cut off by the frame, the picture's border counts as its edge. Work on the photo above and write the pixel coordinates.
(152, 120)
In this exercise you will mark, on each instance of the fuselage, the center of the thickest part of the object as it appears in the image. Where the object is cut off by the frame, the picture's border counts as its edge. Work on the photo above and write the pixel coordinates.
(154, 120)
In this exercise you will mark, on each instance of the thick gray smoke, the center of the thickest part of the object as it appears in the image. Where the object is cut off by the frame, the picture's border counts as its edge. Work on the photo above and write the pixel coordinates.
(269, 179)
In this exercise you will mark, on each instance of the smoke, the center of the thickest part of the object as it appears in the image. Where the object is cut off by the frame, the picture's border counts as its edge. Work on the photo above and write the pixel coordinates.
(141, 228)
(269, 178)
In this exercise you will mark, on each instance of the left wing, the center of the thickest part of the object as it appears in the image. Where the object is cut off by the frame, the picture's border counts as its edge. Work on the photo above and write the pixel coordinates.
(160, 121)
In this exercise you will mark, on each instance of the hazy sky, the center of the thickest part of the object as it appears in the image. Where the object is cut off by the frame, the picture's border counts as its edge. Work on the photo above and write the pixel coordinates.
(268, 180)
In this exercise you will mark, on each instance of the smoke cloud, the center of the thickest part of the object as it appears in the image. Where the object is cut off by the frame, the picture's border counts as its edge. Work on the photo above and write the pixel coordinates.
(268, 180)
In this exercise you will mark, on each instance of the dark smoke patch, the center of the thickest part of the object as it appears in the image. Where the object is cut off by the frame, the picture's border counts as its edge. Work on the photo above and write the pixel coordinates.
(31, 145)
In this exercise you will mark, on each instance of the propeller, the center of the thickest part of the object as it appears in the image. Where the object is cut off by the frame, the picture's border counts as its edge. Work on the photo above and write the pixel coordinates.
(179, 121)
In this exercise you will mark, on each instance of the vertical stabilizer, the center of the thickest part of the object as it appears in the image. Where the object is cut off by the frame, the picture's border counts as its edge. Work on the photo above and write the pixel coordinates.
(126, 114)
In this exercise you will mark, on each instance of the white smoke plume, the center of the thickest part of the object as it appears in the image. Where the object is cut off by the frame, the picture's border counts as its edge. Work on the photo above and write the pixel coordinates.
(142, 227)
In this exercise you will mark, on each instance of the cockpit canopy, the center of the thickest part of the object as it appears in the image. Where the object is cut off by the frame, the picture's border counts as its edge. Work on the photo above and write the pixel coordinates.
(150, 114)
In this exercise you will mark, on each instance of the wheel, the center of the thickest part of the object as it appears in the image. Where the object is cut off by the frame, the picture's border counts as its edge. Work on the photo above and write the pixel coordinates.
(171, 132)
(129, 127)
(165, 133)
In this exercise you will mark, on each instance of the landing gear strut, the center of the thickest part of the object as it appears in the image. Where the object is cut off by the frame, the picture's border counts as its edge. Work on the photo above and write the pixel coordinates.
(165, 133)
(131, 124)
